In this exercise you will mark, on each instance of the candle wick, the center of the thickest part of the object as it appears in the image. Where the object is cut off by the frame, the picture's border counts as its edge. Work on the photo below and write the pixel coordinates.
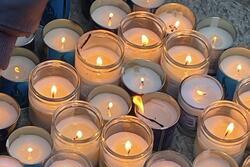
(152, 120)
(129, 151)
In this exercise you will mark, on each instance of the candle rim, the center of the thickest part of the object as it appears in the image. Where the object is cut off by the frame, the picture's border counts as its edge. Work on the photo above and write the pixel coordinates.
(12, 158)
(241, 85)
(31, 36)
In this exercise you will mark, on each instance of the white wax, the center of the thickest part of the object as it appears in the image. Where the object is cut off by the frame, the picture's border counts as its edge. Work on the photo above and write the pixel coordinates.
(6, 161)
(161, 111)
(8, 115)
(170, 19)
(132, 79)
(53, 39)
(207, 85)
(134, 35)
(224, 38)
(69, 127)
(229, 66)
(101, 101)
(149, 3)
(245, 99)
(18, 69)
(66, 163)
(212, 161)
(165, 163)
(101, 16)
(41, 149)
(22, 41)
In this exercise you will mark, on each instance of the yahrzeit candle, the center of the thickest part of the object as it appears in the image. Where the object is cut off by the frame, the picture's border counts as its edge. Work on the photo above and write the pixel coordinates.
(67, 159)
(51, 84)
(195, 94)
(14, 80)
(98, 60)
(223, 126)
(126, 141)
(143, 34)
(77, 127)
(176, 17)
(187, 53)
(161, 112)
(221, 34)
(111, 100)
(140, 77)
(146, 5)
(60, 37)
(6, 161)
(234, 66)
(167, 158)
(214, 158)
(109, 13)
(30, 145)
(10, 113)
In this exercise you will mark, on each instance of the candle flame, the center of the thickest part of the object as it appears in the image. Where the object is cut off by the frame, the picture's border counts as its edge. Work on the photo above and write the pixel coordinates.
(110, 105)
(239, 67)
(229, 129)
(53, 91)
(128, 146)
(99, 61)
(144, 40)
(141, 83)
(201, 93)
(63, 40)
(29, 149)
(137, 100)
(188, 59)
(79, 135)
(177, 24)
(17, 69)
(110, 21)
(214, 40)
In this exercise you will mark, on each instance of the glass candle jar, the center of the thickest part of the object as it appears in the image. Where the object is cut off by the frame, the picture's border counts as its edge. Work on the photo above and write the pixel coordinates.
(142, 5)
(126, 142)
(223, 126)
(143, 34)
(221, 34)
(167, 158)
(246, 162)
(176, 16)
(109, 13)
(234, 66)
(60, 37)
(187, 53)
(10, 113)
(99, 59)
(51, 84)
(67, 158)
(214, 158)
(77, 126)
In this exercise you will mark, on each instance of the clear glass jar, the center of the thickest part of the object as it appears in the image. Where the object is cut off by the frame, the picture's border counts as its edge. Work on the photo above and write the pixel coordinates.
(166, 157)
(73, 118)
(214, 157)
(99, 59)
(51, 73)
(223, 126)
(177, 69)
(66, 157)
(122, 128)
(143, 34)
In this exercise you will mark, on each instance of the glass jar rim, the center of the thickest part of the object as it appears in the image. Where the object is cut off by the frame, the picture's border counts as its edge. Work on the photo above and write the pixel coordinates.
(58, 63)
(112, 36)
(153, 18)
(82, 104)
(124, 119)
(233, 105)
(196, 35)
(243, 83)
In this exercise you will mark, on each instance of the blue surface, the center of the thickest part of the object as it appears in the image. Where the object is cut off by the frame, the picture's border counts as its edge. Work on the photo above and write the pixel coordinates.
(68, 57)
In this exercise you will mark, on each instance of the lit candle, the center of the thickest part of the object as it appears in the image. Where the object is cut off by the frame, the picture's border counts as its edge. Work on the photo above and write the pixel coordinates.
(142, 77)
(6, 161)
(161, 113)
(163, 163)
(148, 4)
(196, 93)
(142, 42)
(66, 162)
(30, 145)
(234, 66)
(176, 17)
(79, 131)
(9, 114)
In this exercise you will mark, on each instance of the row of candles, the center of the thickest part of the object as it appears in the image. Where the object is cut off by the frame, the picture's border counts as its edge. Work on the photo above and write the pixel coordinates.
(177, 65)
